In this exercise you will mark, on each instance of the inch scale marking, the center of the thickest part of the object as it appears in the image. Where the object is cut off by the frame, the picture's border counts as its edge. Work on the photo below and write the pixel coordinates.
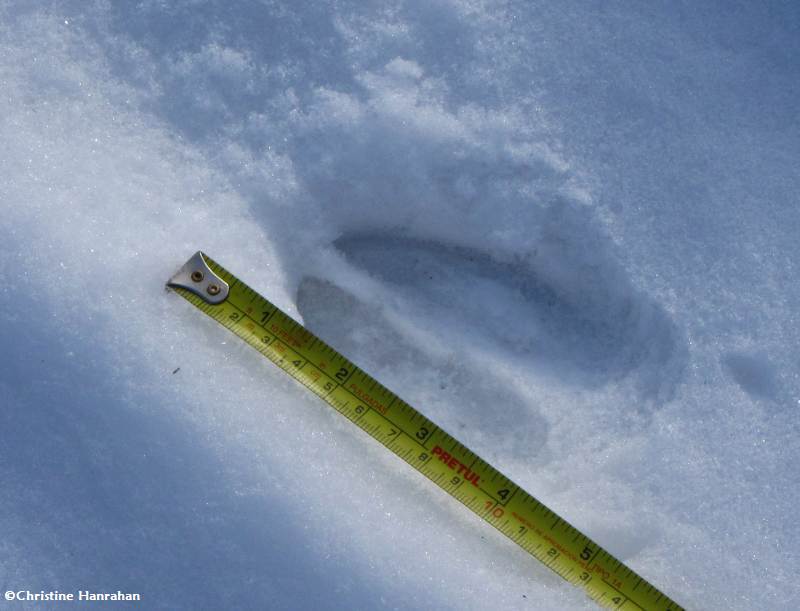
(413, 438)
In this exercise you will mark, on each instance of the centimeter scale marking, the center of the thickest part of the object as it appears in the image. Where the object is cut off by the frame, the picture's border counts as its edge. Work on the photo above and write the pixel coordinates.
(412, 437)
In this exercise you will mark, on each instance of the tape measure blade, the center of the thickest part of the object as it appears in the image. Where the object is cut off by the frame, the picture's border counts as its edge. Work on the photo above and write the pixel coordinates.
(426, 447)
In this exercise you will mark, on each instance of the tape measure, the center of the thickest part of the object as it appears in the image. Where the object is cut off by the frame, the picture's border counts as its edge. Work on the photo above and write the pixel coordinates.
(411, 436)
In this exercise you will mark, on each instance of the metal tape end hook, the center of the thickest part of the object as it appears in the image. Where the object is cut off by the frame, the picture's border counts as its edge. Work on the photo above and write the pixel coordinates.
(197, 277)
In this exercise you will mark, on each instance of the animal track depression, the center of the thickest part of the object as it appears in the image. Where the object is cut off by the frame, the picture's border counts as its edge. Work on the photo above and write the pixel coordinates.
(586, 323)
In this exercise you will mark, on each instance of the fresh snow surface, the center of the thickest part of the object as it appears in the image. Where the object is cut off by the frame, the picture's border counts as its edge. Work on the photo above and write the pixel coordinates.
(566, 231)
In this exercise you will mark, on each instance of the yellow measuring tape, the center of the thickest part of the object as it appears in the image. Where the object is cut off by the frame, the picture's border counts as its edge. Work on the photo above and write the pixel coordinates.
(411, 436)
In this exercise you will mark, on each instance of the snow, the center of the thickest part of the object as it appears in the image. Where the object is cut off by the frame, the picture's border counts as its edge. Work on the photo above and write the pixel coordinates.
(567, 234)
